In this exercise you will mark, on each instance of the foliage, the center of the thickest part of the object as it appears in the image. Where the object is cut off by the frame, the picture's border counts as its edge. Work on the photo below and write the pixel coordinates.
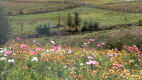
(69, 21)
(43, 29)
(140, 23)
(77, 20)
(5, 28)
(90, 26)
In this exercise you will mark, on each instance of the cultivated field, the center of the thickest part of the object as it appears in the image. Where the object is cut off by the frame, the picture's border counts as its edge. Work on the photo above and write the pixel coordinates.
(104, 17)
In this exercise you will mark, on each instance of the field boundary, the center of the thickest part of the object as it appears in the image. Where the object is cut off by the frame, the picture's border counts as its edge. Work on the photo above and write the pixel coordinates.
(79, 4)
(47, 11)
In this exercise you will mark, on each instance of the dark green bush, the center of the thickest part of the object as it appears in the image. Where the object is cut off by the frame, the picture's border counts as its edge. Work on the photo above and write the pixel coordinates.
(77, 20)
(90, 26)
(43, 29)
(69, 21)
(140, 23)
(5, 28)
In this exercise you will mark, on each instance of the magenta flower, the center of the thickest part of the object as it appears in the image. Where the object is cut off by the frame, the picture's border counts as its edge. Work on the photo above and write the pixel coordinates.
(34, 53)
(38, 49)
(137, 49)
(91, 62)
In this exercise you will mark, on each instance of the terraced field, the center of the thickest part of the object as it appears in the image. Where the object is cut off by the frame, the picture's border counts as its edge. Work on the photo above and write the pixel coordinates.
(104, 17)
(25, 7)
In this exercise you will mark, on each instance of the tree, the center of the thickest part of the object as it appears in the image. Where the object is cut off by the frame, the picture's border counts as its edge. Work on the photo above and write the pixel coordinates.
(77, 20)
(5, 28)
(69, 21)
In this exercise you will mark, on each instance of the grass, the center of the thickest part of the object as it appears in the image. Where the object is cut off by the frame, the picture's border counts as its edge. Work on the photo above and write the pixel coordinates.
(113, 38)
(104, 17)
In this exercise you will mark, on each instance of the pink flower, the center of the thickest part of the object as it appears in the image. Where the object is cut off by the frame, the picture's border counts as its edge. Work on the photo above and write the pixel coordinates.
(98, 45)
(9, 52)
(69, 51)
(92, 40)
(23, 46)
(90, 57)
(38, 49)
(110, 55)
(117, 65)
(91, 62)
(34, 53)
(46, 60)
(18, 39)
(56, 48)
(102, 44)
(129, 50)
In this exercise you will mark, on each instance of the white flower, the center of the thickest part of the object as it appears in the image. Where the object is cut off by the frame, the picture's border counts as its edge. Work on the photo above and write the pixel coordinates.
(5, 54)
(69, 51)
(11, 60)
(81, 64)
(34, 59)
(47, 50)
(52, 42)
(2, 50)
(65, 66)
(2, 59)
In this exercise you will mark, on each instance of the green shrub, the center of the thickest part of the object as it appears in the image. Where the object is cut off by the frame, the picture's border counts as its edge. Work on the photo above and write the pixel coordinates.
(90, 26)
(77, 20)
(69, 21)
(5, 28)
(140, 23)
(43, 29)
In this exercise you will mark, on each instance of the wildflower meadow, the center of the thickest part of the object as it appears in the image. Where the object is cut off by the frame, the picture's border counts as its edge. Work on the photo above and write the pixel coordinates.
(56, 62)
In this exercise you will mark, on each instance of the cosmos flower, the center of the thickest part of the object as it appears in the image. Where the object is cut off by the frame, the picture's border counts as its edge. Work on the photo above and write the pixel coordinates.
(110, 55)
(52, 42)
(2, 59)
(34, 53)
(9, 52)
(69, 51)
(91, 62)
(117, 65)
(90, 57)
(23, 46)
(81, 64)
(11, 60)
(18, 39)
(34, 59)
(56, 48)
(38, 49)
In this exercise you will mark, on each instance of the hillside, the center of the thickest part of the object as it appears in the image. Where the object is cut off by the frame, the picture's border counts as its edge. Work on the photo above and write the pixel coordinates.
(71, 40)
